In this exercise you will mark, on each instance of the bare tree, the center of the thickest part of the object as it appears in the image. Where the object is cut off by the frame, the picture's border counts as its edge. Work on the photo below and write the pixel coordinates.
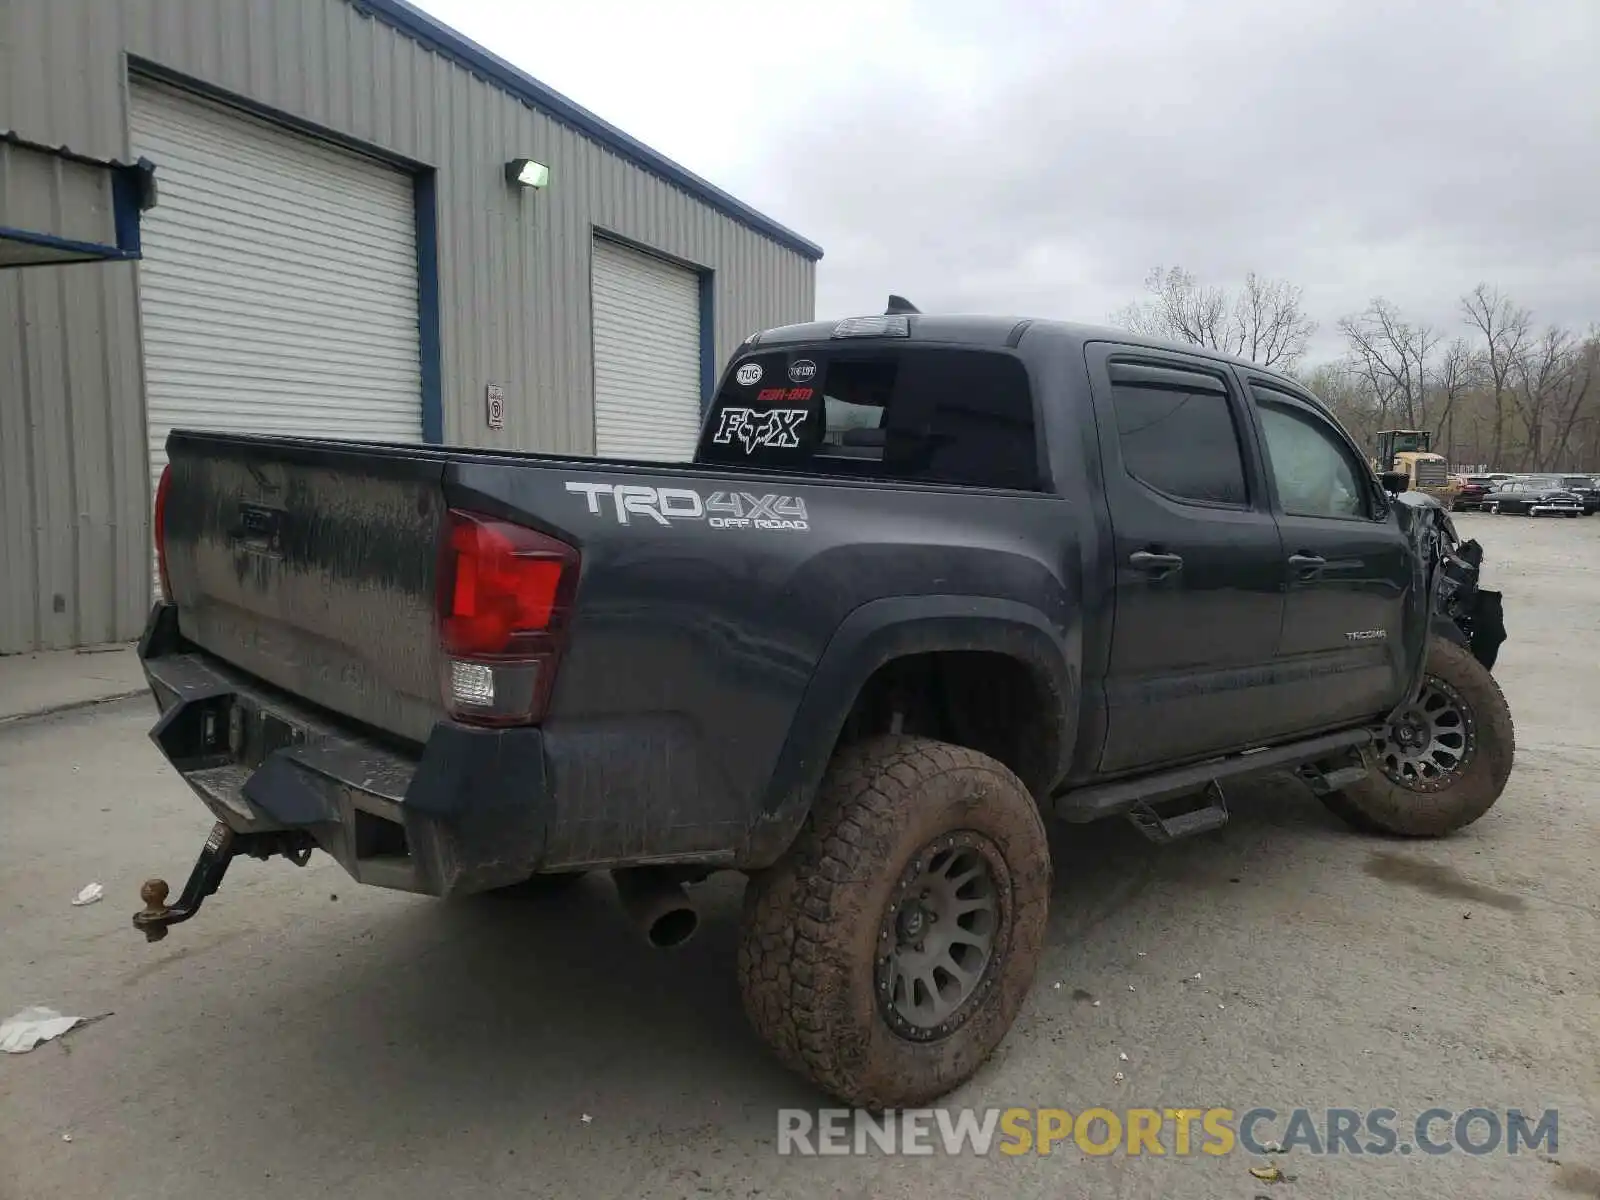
(1459, 371)
(1580, 397)
(1544, 372)
(1392, 356)
(1504, 329)
(1265, 322)
(1347, 396)
(1505, 396)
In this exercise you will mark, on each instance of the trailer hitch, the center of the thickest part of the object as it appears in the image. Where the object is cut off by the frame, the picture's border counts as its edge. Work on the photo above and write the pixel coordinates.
(221, 847)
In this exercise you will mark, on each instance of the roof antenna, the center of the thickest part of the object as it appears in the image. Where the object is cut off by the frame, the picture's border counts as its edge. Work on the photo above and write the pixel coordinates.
(899, 304)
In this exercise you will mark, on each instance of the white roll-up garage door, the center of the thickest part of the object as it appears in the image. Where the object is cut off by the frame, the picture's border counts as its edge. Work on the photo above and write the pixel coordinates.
(646, 356)
(278, 287)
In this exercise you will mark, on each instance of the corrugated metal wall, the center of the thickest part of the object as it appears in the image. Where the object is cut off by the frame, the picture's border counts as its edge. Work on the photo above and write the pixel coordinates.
(513, 266)
(45, 193)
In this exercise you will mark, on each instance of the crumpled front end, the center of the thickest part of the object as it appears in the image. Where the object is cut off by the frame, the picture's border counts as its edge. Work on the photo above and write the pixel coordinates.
(1468, 614)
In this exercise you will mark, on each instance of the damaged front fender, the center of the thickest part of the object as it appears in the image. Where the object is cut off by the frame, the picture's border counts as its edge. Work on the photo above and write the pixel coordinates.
(1449, 572)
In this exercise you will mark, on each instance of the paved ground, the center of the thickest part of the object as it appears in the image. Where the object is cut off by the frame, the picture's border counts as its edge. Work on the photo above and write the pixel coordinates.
(304, 1037)
(62, 679)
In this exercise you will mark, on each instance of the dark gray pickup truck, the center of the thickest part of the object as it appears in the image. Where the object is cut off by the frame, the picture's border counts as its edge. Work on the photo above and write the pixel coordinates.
(928, 582)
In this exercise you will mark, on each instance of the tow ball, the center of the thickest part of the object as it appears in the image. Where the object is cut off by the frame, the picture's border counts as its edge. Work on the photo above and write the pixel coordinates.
(221, 847)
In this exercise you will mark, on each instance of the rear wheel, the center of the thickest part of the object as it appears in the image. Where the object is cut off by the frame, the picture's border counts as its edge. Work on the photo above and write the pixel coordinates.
(1443, 762)
(888, 953)
(1492, 509)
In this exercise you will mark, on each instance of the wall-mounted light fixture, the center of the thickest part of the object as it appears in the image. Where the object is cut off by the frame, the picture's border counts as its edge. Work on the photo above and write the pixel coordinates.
(524, 172)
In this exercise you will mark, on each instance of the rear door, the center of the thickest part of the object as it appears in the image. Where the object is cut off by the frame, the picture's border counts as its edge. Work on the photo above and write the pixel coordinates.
(1346, 570)
(1198, 560)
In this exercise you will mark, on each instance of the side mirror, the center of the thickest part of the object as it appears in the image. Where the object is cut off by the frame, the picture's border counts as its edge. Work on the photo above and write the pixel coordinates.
(1395, 482)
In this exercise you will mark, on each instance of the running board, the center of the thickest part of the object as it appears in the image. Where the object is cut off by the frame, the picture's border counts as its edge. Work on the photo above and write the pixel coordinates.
(1122, 796)
(1211, 813)
(1326, 782)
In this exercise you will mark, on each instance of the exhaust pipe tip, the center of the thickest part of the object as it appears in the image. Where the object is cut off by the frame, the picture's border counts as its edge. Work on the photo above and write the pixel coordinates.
(657, 905)
(673, 928)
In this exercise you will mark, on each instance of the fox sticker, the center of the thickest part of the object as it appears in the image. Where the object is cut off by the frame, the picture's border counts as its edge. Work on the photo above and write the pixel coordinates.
(774, 428)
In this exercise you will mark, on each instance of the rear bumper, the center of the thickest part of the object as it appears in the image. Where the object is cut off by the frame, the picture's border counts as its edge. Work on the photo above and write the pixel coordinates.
(465, 812)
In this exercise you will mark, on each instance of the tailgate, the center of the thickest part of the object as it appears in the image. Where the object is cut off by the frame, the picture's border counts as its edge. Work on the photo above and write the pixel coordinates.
(311, 565)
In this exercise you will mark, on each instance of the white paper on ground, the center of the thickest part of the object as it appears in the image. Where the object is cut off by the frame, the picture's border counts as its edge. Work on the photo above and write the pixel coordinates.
(33, 1025)
(91, 892)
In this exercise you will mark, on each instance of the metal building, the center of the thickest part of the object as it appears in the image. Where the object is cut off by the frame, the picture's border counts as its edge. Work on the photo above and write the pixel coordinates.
(329, 217)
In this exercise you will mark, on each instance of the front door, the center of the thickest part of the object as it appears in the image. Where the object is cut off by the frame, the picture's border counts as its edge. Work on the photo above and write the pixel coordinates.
(1198, 599)
(1347, 571)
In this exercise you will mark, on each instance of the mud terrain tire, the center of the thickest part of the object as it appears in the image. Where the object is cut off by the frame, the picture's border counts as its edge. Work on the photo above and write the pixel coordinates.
(1461, 716)
(830, 932)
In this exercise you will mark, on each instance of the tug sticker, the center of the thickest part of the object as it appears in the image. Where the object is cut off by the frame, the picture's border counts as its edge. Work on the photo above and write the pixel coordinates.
(748, 375)
(670, 506)
(802, 371)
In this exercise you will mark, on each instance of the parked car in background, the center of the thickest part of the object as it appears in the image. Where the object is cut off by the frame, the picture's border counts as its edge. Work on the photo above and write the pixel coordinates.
(1586, 488)
(1471, 489)
(1534, 497)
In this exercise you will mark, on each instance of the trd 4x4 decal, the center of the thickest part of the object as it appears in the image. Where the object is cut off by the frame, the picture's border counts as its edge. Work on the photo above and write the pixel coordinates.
(667, 506)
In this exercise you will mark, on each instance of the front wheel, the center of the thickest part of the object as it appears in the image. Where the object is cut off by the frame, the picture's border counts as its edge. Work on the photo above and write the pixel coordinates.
(888, 952)
(1442, 762)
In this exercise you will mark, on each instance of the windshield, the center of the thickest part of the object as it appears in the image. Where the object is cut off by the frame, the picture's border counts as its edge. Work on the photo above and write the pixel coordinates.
(1406, 443)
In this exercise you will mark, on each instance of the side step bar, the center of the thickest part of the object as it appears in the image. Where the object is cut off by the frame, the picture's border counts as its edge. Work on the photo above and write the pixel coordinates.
(1211, 813)
(1122, 796)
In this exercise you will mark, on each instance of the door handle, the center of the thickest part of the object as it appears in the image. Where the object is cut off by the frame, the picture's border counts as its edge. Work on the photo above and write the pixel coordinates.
(1307, 566)
(1159, 565)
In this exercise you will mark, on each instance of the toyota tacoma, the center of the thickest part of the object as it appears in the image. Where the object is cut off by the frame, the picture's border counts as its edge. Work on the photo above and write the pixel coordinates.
(928, 583)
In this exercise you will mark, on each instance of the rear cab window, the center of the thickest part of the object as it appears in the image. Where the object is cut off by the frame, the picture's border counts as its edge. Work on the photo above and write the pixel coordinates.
(1177, 433)
(922, 413)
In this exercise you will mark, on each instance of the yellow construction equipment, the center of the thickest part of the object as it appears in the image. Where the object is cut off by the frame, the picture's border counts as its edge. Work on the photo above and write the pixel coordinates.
(1410, 451)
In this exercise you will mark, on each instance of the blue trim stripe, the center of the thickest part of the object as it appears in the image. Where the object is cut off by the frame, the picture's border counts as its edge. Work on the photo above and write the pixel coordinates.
(125, 189)
(434, 34)
(708, 339)
(426, 196)
(71, 249)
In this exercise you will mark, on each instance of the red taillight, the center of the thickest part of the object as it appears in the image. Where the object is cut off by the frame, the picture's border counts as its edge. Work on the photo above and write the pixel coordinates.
(505, 593)
(162, 488)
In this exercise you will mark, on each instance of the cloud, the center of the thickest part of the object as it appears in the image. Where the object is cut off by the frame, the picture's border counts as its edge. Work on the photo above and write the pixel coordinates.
(1407, 151)
(1041, 157)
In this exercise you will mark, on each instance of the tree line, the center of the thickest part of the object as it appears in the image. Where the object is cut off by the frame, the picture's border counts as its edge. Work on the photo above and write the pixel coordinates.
(1497, 390)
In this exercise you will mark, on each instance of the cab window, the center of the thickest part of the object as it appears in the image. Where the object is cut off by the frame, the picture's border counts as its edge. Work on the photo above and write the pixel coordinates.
(1311, 467)
(1177, 435)
(923, 413)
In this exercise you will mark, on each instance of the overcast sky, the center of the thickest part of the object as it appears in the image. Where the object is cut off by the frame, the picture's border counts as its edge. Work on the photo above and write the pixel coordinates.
(1042, 158)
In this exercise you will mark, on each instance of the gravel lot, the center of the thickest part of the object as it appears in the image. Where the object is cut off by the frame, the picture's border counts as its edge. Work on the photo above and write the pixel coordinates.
(306, 1037)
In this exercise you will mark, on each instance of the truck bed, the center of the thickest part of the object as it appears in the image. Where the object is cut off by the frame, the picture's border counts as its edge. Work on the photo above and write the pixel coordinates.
(706, 601)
